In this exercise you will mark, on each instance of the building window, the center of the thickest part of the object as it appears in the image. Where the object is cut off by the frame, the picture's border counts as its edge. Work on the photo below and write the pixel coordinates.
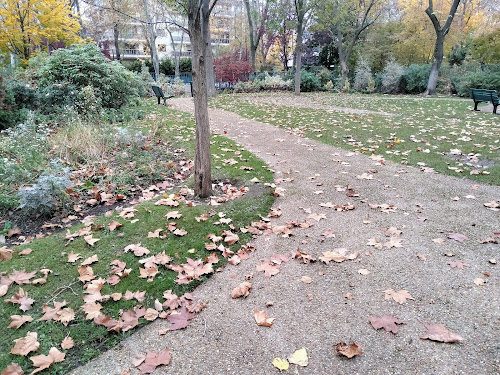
(162, 48)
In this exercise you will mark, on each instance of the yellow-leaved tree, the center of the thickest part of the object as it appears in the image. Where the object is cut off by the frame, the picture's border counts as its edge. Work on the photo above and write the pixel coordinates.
(27, 26)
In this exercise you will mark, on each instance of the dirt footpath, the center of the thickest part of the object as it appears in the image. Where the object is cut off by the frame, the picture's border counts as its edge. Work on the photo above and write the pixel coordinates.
(425, 207)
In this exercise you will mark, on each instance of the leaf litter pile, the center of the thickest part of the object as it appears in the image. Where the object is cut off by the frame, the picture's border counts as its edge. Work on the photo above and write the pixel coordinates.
(69, 296)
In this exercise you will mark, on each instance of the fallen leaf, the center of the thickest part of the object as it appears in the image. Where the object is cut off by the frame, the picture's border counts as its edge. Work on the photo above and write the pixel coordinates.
(458, 264)
(67, 343)
(400, 296)
(153, 360)
(137, 249)
(457, 237)
(281, 364)
(306, 279)
(21, 298)
(241, 290)
(72, 258)
(299, 357)
(26, 344)
(387, 322)
(13, 369)
(19, 320)
(262, 319)
(45, 361)
(438, 332)
(478, 281)
(91, 241)
(180, 319)
(113, 225)
(90, 260)
(337, 255)
(349, 351)
(26, 251)
(3, 290)
(5, 254)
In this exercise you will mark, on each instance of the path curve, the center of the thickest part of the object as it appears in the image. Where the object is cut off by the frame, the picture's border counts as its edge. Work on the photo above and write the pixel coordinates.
(224, 339)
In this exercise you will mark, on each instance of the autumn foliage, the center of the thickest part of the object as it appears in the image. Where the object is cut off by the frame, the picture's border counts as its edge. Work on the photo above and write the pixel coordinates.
(231, 69)
(26, 25)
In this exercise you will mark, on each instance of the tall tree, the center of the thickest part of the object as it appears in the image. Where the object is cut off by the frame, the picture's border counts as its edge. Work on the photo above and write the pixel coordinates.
(346, 21)
(257, 14)
(441, 32)
(26, 25)
(198, 12)
(152, 36)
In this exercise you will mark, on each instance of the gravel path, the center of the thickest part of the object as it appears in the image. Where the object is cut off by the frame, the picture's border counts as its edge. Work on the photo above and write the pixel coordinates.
(224, 339)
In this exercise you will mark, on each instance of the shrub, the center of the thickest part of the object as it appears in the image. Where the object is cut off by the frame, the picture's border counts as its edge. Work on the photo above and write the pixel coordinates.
(185, 65)
(391, 77)
(88, 104)
(275, 83)
(475, 80)
(363, 76)
(147, 81)
(25, 96)
(416, 78)
(250, 86)
(324, 76)
(308, 82)
(329, 86)
(54, 97)
(49, 191)
(8, 114)
(85, 65)
(232, 70)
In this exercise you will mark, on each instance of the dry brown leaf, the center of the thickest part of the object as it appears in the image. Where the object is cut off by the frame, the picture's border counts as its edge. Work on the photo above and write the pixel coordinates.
(3, 290)
(400, 296)
(67, 343)
(151, 314)
(262, 319)
(13, 369)
(438, 332)
(26, 344)
(21, 298)
(93, 310)
(241, 290)
(349, 351)
(137, 249)
(19, 320)
(72, 258)
(113, 225)
(26, 251)
(153, 360)
(387, 322)
(337, 255)
(5, 254)
(306, 279)
(91, 240)
(45, 361)
(90, 260)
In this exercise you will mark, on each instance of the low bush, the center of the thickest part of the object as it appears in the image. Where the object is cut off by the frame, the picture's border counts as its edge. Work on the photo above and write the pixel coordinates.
(308, 82)
(85, 65)
(250, 86)
(416, 78)
(363, 76)
(461, 85)
(392, 77)
(275, 83)
(48, 192)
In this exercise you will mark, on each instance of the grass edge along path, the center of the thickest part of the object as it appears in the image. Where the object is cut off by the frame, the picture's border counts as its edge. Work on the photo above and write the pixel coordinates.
(230, 163)
(442, 136)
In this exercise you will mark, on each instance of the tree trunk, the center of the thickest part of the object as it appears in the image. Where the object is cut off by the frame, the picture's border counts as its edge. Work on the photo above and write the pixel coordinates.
(298, 54)
(117, 42)
(251, 32)
(438, 48)
(436, 65)
(342, 57)
(152, 33)
(202, 167)
(209, 57)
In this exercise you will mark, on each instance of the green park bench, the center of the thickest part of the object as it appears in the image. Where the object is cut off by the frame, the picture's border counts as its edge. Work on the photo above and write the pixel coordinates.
(479, 96)
(160, 95)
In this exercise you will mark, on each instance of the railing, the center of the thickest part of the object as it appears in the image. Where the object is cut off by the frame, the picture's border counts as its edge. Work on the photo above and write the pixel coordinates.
(220, 40)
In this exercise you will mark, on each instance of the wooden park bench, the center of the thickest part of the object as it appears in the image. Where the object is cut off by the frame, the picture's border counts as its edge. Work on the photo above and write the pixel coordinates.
(480, 96)
(160, 95)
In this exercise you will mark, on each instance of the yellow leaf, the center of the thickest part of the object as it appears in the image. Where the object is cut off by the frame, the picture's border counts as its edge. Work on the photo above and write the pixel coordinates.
(281, 364)
(299, 357)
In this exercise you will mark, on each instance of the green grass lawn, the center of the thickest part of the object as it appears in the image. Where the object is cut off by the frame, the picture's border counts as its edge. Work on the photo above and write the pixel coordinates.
(62, 284)
(443, 134)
